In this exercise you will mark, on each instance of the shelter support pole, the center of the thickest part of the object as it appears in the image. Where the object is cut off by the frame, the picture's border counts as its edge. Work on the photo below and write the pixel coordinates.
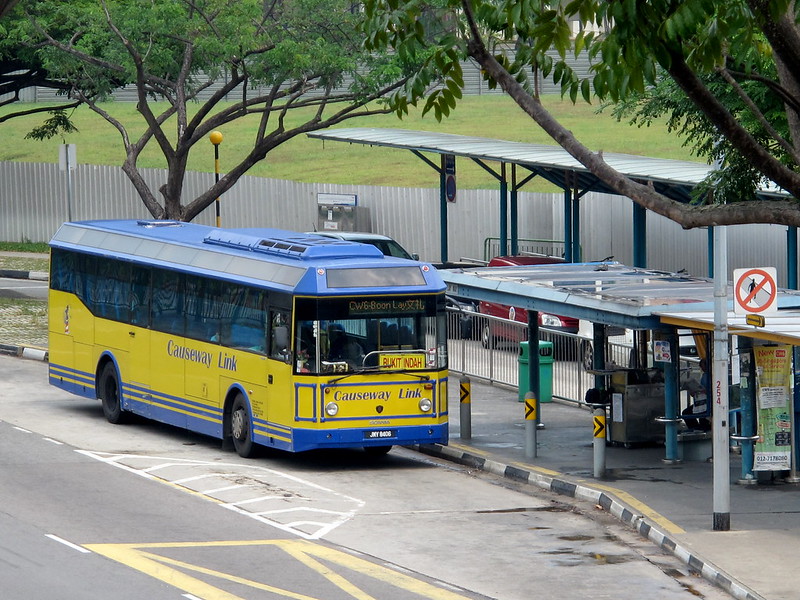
(791, 257)
(443, 211)
(599, 417)
(599, 354)
(514, 212)
(793, 476)
(568, 254)
(719, 390)
(747, 404)
(671, 398)
(639, 236)
(710, 252)
(575, 235)
(503, 212)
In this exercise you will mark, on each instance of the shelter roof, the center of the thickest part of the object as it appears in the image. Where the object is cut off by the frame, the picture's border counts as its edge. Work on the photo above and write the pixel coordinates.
(602, 292)
(673, 178)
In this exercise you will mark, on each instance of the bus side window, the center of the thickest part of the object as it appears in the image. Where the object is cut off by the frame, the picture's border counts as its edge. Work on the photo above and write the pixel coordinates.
(167, 302)
(140, 296)
(279, 336)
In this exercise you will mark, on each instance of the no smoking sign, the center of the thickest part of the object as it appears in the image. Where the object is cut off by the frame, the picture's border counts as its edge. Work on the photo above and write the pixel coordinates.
(755, 291)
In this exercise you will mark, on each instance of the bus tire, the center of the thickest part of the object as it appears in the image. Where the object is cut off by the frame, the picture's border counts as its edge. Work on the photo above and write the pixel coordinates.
(241, 430)
(110, 394)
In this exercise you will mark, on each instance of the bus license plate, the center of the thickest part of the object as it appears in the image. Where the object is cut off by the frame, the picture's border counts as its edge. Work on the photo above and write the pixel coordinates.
(380, 434)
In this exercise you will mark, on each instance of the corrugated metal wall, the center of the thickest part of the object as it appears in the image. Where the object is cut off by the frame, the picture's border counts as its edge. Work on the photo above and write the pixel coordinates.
(33, 204)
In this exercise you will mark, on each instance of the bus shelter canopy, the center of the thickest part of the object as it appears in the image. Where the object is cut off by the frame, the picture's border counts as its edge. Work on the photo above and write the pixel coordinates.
(673, 178)
(611, 293)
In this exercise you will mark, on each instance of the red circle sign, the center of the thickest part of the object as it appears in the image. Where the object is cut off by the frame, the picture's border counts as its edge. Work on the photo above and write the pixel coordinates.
(755, 291)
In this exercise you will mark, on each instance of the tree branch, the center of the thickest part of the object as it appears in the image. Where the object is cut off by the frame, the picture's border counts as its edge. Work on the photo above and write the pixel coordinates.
(737, 135)
(688, 216)
(756, 112)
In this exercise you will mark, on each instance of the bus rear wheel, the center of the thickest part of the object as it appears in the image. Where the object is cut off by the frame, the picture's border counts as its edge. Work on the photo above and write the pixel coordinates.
(241, 430)
(109, 393)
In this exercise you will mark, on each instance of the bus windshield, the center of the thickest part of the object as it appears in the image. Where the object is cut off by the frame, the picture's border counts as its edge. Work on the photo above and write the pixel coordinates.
(386, 334)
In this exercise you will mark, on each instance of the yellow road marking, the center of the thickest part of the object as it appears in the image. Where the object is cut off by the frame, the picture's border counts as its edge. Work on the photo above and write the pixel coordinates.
(641, 507)
(174, 572)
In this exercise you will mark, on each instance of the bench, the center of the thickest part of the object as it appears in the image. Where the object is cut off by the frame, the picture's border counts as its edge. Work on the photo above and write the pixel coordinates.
(694, 445)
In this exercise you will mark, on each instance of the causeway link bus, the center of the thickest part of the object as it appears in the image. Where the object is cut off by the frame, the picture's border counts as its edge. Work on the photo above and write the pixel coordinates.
(261, 337)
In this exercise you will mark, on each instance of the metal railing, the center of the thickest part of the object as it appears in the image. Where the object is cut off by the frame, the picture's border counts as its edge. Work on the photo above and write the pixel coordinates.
(488, 348)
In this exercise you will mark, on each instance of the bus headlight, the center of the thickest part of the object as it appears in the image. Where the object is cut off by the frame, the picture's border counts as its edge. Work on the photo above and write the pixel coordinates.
(425, 405)
(331, 409)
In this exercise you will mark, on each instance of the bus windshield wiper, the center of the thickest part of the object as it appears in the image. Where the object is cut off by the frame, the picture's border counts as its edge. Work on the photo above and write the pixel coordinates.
(377, 369)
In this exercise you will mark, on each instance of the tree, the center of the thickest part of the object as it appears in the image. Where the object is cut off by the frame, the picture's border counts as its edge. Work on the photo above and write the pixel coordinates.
(6, 6)
(20, 69)
(733, 67)
(293, 66)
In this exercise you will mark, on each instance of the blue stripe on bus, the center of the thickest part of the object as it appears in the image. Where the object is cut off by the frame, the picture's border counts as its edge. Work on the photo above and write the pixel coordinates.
(207, 420)
(72, 375)
(310, 439)
(155, 398)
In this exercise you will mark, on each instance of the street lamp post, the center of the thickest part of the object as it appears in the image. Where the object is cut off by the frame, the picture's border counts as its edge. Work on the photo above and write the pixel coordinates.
(216, 139)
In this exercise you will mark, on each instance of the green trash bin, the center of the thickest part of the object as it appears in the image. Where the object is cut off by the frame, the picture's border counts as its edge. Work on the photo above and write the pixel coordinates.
(545, 371)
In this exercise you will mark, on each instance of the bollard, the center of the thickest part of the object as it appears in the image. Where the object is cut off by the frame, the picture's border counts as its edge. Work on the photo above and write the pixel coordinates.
(465, 396)
(531, 411)
(599, 421)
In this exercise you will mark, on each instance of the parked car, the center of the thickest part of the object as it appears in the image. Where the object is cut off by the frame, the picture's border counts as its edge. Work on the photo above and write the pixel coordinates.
(384, 243)
(495, 332)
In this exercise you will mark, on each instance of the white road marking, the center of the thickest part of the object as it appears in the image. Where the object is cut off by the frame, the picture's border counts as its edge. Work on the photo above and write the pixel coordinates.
(55, 538)
(297, 490)
(222, 489)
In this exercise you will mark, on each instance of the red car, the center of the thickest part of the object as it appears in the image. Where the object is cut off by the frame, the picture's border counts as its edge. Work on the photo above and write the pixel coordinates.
(496, 331)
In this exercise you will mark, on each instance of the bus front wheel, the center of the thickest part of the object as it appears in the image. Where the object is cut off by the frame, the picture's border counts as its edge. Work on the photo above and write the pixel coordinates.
(109, 393)
(240, 428)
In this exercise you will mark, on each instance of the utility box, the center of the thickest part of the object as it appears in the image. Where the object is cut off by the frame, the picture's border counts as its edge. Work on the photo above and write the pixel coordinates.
(341, 212)
(637, 399)
(545, 371)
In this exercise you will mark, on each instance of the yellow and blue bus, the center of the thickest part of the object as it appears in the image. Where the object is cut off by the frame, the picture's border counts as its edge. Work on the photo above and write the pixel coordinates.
(262, 337)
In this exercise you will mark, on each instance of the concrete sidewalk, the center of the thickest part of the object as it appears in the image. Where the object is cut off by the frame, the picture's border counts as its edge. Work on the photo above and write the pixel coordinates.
(671, 504)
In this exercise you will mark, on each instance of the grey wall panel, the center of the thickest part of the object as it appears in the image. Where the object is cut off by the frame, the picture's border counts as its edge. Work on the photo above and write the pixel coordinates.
(33, 203)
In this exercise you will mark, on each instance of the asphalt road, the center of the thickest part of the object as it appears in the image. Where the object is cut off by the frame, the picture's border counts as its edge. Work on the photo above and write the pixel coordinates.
(92, 510)
(23, 288)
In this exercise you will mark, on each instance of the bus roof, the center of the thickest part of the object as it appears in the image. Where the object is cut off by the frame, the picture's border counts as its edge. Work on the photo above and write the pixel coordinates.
(296, 262)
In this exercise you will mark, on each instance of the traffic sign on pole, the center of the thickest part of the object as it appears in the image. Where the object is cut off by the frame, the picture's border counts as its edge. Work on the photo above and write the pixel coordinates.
(755, 291)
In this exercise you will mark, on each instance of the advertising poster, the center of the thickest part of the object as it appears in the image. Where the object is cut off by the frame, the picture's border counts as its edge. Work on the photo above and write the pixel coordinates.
(773, 393)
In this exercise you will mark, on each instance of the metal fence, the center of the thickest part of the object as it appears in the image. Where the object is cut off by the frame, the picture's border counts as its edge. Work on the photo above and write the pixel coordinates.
(497, 361)
(497, 358)
(33, 205)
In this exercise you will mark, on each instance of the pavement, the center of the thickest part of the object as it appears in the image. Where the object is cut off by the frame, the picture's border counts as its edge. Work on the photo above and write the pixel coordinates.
(669, 504)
